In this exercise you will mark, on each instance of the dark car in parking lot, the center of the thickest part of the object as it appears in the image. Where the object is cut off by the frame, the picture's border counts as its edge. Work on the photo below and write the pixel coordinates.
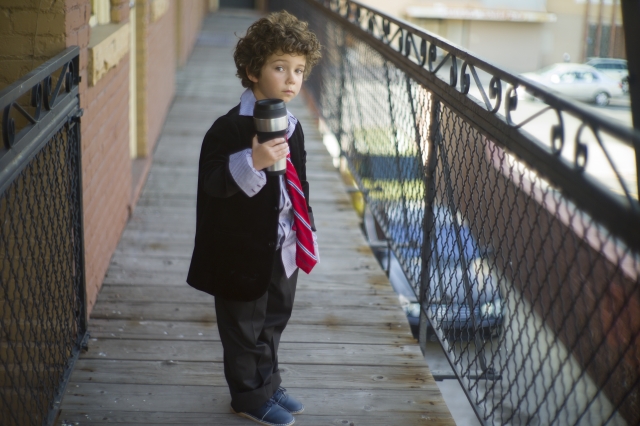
(463, 296)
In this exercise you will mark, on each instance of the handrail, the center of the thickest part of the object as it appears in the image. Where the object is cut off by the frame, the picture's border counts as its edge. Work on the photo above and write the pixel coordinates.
(620, 213)
(51, 105)
(524, 264)
(626, 134)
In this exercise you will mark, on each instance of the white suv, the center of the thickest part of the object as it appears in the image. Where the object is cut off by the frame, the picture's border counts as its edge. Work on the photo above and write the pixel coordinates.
(614, 68)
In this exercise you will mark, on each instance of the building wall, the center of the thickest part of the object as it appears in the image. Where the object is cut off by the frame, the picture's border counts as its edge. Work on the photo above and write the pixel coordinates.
(106, 166)
(569, 30)
(556, 41)
(512, 45)
(395, 8)
(159, 35)
(489, 39)
(32, 32)
(189, 18)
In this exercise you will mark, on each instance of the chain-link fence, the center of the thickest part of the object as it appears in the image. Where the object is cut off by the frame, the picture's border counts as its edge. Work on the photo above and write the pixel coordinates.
(43, 318)
(518, 230)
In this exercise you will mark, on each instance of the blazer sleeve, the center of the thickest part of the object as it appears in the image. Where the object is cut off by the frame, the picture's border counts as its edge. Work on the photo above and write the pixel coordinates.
(219, 143)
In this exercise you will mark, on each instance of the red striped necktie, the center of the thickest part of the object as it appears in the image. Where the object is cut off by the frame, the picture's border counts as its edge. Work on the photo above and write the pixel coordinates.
(306, 257)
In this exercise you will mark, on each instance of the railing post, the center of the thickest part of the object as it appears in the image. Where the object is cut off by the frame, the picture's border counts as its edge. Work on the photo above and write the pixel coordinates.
(630, 19)
(341, 95)
(394, 128)
(427, 224)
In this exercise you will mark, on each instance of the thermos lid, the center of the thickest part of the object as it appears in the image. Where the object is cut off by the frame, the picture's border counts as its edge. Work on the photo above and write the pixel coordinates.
(269, 108)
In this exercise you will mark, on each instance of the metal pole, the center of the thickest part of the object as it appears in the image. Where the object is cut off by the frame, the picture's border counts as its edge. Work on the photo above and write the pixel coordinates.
(630, 19)
(585, 37)
(631, 29)
(612, 30)
(428, 221)
(342, 48)
(598, 42)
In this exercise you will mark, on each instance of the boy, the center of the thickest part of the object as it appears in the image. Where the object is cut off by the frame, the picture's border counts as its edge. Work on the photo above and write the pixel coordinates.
(253, 230)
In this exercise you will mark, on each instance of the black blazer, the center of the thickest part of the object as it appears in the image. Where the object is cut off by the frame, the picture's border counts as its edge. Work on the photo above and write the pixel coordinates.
(236, 234)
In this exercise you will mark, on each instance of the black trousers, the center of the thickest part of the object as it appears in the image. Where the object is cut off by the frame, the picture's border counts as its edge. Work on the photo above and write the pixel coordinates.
(250, 334)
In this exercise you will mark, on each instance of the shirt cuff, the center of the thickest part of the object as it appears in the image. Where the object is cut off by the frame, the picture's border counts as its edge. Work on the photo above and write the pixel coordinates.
(246, 176)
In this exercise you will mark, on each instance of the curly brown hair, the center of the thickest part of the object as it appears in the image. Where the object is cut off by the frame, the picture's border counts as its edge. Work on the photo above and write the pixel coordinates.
(278, 32)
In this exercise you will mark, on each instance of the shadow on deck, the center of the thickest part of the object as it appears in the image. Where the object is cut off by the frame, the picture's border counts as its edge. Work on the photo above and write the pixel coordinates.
(155, 356)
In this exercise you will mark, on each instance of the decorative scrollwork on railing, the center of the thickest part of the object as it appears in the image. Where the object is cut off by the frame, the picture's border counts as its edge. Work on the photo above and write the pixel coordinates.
(495, 87)
(36, 101)
(8, 128)
(431, 53)
(581, 151)
(511, 104)
(557, 135)
(44, 96)
(480, 190)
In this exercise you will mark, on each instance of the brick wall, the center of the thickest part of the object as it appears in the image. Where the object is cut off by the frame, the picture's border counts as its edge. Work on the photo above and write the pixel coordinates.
(105, 151)
(159, 84)
(31, 32)
(190, 18)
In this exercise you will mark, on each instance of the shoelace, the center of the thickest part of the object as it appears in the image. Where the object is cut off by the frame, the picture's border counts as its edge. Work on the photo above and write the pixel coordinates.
(282, 391)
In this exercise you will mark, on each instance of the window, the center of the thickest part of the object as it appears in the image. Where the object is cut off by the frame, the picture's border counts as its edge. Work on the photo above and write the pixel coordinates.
(100, 12)
(568, 77)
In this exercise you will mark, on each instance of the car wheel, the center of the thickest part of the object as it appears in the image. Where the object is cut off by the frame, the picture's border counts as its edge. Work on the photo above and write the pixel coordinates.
(601, 99)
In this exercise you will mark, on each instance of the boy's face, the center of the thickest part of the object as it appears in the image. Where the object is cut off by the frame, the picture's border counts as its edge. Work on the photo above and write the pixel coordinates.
(280, 77)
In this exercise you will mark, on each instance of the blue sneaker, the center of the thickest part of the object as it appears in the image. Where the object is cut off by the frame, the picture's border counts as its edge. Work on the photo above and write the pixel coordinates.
(287, 402)
(270, 414)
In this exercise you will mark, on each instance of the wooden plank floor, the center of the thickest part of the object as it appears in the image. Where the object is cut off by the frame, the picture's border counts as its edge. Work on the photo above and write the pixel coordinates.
(155, 356)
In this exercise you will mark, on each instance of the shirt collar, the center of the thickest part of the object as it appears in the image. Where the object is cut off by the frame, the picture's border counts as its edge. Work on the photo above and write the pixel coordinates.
(247, 102)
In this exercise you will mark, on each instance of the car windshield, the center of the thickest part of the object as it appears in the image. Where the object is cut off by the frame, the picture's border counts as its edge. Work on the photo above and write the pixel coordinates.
(608, 65)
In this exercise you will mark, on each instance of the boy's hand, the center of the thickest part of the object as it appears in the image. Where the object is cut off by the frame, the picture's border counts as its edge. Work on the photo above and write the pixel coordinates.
(266, 154)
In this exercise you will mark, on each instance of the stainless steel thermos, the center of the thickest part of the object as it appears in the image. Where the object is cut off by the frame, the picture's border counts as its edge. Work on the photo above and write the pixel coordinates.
(270, 118)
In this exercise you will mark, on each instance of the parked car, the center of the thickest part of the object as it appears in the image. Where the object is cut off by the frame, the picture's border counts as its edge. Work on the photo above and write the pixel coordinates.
(578, 81)
(448, 296)
(615, 69)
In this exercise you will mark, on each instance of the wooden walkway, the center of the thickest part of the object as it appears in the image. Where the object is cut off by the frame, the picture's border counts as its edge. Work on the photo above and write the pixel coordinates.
(155, 356)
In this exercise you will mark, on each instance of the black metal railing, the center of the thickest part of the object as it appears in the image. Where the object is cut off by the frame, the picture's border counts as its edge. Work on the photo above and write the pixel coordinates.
(42, 283)
(516, 222)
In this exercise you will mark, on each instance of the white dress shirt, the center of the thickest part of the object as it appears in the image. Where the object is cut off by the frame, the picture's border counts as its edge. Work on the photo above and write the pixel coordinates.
(251, 182)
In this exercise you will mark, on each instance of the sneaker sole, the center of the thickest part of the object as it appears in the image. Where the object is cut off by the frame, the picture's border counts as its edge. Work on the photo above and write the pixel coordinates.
(257, 420)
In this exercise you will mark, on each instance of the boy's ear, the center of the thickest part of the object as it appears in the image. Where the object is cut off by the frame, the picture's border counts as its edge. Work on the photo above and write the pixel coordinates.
(252, 77)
